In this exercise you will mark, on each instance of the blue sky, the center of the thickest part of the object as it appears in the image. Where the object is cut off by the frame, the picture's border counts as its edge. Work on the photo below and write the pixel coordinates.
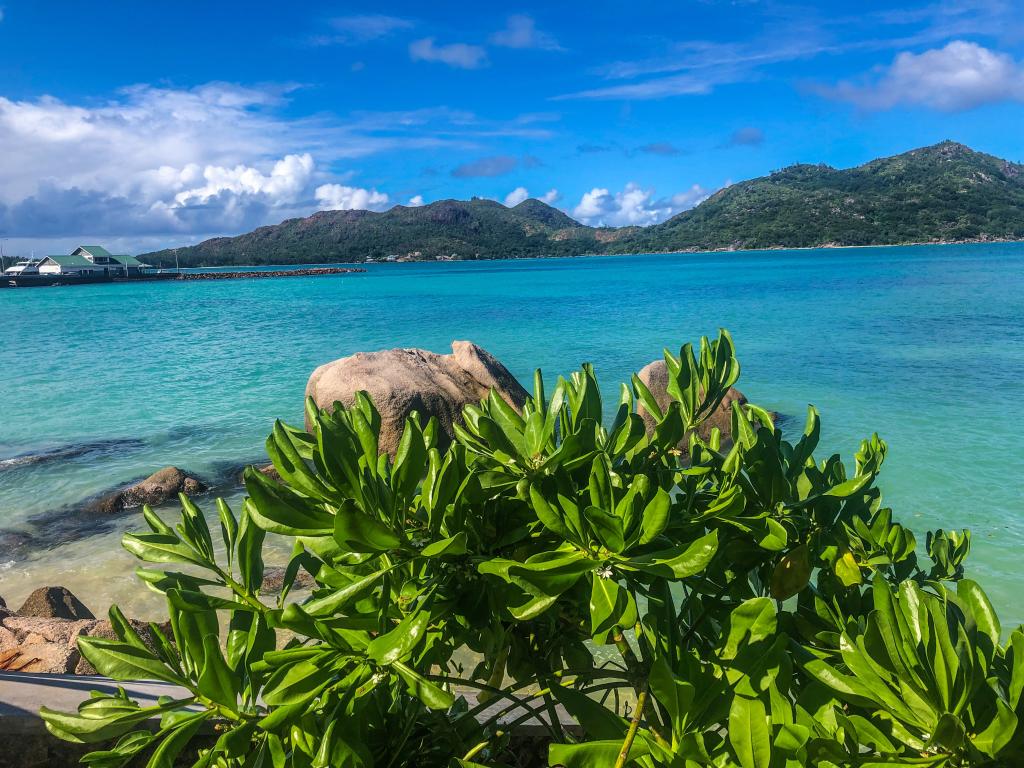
(148, 124)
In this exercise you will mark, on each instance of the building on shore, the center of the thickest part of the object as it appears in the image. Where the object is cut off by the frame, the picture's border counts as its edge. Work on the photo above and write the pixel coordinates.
(91, 261)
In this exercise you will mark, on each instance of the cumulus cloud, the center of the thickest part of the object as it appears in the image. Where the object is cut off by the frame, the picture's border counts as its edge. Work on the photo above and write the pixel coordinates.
(338, 197)
(286, 180)
(519, 194)
(158, 165)
(205, 160)
(497, 165)
(459, 55)
(960, 76)
(415, 201)
(633, 206)
(521, 32)
(516, 196)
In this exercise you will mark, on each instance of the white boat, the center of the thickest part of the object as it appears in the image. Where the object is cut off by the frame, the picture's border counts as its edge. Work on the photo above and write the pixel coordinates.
(22, 268)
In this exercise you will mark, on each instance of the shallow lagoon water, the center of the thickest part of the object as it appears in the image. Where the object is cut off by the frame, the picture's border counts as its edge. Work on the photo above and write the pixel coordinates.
(923, 344)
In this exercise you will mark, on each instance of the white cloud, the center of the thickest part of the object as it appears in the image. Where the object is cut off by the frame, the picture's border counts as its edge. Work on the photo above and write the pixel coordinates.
(460, 55)
(960, 76)
(415, 201)
(682, 201)
(338, 197)
(284, 183)
(516, 196)
(658, 88)
(352, 30)
(209, 160)
(156, 166)
(633, 206)
(521, 32)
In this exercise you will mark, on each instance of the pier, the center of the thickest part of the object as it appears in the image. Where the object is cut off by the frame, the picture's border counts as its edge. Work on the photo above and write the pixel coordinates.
(51, 280)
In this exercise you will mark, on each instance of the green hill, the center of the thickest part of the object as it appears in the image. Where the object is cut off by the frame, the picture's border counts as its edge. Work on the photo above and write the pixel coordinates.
(946, 192)
(943, 193)
(474, 229)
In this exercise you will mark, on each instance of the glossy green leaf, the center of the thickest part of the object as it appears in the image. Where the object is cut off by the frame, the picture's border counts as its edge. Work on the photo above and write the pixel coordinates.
(677, 562)
(748, 732)
(359, 532)
(400, 641)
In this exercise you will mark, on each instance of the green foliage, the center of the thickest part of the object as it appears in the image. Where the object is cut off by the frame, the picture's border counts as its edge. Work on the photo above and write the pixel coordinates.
(470, 229)
(946, 192)
(739, 603)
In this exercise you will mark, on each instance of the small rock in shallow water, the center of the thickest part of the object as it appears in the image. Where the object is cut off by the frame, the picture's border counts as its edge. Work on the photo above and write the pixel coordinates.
(155, 489)
(273, 580)
(270, 471)
(54, 603)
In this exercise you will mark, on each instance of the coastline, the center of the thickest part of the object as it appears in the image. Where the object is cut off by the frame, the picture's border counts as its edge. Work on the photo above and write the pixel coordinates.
(869, 338)
(689, 251)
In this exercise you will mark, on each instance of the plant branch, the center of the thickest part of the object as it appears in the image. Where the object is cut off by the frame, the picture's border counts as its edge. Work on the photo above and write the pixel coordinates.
(634, 725)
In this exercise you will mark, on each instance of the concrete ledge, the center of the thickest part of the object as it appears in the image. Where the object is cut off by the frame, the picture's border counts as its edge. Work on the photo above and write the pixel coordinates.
(22, 694)
(25, 742)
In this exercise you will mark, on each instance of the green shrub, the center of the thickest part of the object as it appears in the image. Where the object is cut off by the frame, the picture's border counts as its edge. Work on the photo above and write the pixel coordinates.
(688, 602)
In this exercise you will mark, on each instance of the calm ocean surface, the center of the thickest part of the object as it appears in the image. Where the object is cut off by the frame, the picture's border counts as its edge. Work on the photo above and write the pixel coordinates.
(923, 344)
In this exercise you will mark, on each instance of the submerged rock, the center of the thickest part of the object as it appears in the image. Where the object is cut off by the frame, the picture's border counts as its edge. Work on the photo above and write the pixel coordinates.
(157, 488)
(655, 378)
(264, 469)
(270, 471)
(90, 449)
(273, 579)
(404, 380)
(54, 603)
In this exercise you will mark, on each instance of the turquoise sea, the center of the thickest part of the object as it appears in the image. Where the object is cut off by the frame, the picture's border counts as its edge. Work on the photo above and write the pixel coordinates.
(923, 344)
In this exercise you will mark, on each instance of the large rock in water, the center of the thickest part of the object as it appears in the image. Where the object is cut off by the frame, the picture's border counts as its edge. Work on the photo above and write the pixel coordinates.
(401, 381)
(655, 378)
(54, 603)
(157, 488)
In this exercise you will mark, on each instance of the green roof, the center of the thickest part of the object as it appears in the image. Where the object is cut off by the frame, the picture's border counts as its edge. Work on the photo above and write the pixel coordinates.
(71, 261)
(128, 261)
(95, 250)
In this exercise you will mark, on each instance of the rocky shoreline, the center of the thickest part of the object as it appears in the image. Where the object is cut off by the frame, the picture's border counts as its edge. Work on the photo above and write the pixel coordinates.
(263, 274)
(41, 635)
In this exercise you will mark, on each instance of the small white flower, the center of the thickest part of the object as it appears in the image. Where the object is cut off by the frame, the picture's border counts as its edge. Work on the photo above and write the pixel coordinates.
(605, 572)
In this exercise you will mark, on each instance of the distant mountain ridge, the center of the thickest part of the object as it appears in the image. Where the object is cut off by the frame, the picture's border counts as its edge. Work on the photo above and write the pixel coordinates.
(943, 193)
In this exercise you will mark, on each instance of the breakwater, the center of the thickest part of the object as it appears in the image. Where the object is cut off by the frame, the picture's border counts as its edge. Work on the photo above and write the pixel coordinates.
(254, 274)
